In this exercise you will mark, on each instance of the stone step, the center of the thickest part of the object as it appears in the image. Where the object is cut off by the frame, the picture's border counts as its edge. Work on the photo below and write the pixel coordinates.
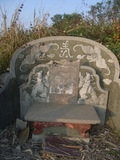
(70, 113)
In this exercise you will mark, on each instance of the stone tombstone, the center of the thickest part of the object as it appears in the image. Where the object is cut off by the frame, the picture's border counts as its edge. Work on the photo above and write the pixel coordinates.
(31, 69)
(64, 83)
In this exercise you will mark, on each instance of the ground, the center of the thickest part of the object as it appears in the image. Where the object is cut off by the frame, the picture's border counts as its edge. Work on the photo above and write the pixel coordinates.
(104, 145)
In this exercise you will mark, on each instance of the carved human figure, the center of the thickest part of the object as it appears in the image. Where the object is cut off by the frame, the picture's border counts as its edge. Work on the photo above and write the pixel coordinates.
(45, 79)
(85, 85)
(39, 90)
(87, 92)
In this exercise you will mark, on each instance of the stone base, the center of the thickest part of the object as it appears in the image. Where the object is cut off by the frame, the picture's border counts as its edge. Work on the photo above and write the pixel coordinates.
(79, 131)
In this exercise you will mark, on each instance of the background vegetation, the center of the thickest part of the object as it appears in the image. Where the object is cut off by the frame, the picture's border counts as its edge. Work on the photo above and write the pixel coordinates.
(100, 24)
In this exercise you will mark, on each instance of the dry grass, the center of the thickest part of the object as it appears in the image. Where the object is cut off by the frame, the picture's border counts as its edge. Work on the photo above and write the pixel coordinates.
(104, 145)
(16, 35)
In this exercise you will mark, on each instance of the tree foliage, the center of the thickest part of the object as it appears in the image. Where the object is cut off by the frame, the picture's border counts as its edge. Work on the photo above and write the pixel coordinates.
(96, 25)
(64, 23)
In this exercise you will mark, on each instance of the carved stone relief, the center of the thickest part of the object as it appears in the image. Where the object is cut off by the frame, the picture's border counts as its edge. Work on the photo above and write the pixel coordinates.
(54, 49)
(64, 50)
(107, 81)
(93, 55)
(89, 89)
(64, 82)
(36, 88)
(40, 89)
(37, 52)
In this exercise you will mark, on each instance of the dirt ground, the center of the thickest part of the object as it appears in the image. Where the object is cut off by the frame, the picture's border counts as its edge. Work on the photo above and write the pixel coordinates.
(104, 145)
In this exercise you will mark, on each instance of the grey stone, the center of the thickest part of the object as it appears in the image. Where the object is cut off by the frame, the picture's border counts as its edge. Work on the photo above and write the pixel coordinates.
(71, 113)
(20, 124)
(39, 55)
(18, 148)
(64, 83)
(28, 151)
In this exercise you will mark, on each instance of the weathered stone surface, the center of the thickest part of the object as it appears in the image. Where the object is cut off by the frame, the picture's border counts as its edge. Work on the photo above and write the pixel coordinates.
(64, 83)
(40, 55)
(72, 113)
(79, 85)
(20, 124)
(90, 91)
(36, 89)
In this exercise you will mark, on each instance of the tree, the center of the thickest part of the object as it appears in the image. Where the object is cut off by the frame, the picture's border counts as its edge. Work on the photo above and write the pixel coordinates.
(105, 11)
(96, 25)
(64, 23)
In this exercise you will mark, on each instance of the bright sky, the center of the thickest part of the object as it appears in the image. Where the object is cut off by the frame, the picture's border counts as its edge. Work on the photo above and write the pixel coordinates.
(47, 6)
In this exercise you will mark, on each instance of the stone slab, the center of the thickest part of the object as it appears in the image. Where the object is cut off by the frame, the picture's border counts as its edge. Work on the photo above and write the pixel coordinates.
(72, 113)
(64, 83)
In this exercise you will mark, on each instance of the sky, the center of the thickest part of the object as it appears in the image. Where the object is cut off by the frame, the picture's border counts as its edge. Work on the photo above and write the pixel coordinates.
(52, 7)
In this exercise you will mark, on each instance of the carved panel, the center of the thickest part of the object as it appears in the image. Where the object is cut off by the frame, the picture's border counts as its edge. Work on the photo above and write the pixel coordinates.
(35, 89)
(64, 83)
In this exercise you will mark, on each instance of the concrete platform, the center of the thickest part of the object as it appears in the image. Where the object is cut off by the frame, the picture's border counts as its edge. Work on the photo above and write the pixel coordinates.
(71, 113)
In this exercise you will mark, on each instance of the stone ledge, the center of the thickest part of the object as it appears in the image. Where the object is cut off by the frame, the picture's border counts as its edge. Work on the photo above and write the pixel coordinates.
(71, 113)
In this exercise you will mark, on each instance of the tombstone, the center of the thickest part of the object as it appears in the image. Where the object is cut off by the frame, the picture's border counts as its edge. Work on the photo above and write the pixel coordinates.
(98, 76)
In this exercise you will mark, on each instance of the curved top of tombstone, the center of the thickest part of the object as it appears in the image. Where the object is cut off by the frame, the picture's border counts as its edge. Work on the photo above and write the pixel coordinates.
(47, 49)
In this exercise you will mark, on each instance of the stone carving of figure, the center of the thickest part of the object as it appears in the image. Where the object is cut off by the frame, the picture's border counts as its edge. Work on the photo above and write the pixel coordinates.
(45, 80)
(87, 93)
(40, 90)
(86, 86)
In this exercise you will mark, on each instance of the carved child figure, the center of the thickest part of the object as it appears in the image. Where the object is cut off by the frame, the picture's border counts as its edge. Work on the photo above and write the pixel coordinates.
(87, 92)
(39, 91)
(85, 86)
